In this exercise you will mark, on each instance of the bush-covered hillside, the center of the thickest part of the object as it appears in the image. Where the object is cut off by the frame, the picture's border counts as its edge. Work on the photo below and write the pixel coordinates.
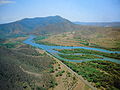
(24, 71)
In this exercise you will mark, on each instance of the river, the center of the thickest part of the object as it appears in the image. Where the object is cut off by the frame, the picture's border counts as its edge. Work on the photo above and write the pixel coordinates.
(49, 49)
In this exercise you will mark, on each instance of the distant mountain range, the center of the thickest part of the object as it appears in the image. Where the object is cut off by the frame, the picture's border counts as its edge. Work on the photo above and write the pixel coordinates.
(101, 24)
(45, 25)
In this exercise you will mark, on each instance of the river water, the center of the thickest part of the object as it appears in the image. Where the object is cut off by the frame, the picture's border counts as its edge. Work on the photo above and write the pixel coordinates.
(50, 50)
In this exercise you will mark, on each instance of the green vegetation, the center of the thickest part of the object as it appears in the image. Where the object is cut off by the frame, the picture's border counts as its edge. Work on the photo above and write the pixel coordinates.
(116, 47)
(40, 38)
(78, 57)
(12, 63)
(82, 41)
(11, 44)
(53, 84)
(60, 73)
(29, 50)
(59, 67)
(51, 70)
(12, 36)
(99, 37)
(85, 51)
(87, 43)
(102, 73)
(68, 74)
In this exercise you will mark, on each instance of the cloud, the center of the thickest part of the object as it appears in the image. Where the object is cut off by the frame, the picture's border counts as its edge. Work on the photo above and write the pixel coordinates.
(6, 1)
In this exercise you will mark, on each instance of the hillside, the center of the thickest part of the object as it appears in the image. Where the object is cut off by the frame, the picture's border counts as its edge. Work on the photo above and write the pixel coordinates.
(47, 25)
(23, 69)
(39, 25)
(100, 24)
(100, 37)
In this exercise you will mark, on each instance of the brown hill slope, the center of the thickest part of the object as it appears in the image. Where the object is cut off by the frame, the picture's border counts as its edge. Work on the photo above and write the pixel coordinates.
(108, 38)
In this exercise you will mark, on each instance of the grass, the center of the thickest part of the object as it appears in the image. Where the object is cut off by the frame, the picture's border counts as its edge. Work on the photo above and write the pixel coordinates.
(72, 51)
(78, 57)
(101, 73)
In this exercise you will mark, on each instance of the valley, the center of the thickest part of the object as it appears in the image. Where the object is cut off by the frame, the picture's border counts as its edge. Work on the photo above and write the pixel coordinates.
(91, 68)
(52, 53)
(33, 69)
(99, 37)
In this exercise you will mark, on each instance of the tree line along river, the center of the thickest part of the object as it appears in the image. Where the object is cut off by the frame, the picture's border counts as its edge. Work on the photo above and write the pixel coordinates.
(52, 51)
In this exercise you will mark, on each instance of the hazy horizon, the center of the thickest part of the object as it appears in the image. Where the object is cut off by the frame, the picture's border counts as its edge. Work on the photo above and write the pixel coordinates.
(65, 18)
(73, 10)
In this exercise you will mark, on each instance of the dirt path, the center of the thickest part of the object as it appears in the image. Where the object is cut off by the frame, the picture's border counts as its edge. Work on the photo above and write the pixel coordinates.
(85, 82)
(81, 84)
(31, 73)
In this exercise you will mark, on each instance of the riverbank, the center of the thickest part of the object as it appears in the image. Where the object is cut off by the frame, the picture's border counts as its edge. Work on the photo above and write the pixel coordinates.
(79, 78)
(95, 69)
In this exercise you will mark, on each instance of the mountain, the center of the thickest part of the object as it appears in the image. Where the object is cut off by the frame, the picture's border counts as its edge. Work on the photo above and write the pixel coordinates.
(38, 25)
(101, 24)
(47, 25)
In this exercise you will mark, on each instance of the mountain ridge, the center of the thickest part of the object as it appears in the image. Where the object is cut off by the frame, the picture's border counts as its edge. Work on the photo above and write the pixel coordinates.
(45, 25)
(41, 25)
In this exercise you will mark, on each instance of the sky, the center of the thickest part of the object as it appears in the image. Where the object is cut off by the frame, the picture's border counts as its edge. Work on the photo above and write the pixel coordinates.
(73, 10)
